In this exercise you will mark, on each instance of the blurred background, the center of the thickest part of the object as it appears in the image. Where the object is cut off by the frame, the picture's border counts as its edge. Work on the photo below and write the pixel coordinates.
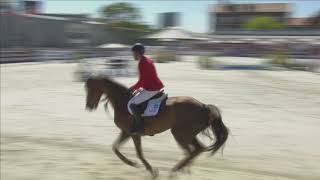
(44, 30)
(257, 60)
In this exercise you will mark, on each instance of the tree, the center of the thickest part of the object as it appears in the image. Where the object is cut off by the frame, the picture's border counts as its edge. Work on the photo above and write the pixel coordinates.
(124, 15)
(262, 23)
(118, 12)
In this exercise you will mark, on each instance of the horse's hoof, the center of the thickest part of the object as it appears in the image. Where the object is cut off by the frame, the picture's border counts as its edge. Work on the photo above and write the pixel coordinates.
(172, 175)
(155, 173)
(175, 170)
(186, 170)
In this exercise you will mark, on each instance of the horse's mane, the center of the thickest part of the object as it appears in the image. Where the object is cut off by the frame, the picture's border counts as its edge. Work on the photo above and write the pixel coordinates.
(114, 83)
(110, 81)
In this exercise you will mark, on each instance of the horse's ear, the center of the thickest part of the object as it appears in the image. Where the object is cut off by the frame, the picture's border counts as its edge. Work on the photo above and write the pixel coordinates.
(90, 81)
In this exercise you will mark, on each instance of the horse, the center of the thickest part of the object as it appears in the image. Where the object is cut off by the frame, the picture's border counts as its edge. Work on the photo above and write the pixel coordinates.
(186, 117)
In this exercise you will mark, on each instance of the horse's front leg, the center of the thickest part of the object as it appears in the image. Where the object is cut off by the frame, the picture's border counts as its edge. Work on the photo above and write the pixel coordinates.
(123, 137)
(137, 143)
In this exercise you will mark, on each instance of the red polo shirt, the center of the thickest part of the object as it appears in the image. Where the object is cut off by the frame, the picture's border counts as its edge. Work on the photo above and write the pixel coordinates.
(148, 78)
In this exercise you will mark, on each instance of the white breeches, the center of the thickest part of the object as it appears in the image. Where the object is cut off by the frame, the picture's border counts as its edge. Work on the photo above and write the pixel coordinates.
(140, 97)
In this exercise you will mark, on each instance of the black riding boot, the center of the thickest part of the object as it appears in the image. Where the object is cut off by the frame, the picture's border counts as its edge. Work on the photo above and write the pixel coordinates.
(137, 126)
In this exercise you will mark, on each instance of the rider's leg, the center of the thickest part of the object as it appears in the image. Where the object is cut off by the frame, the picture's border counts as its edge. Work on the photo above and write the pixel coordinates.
(133, 105)
(142, 96)
(137, 126)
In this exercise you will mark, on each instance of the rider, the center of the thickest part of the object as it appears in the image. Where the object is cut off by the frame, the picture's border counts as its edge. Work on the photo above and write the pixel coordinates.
(148, 85)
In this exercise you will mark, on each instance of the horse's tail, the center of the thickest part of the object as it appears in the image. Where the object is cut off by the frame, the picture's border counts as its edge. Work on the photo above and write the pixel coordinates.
(220, 131)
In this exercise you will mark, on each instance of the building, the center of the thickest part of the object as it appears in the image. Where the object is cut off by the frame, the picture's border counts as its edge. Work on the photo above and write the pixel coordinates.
(32, 30)
(169, 19)
(31, 6)
(79, 17)
(5, 7)
(22, 24)
(299, 23)
(59, 31)
(312, 22)
(226, 17)
(315, 20)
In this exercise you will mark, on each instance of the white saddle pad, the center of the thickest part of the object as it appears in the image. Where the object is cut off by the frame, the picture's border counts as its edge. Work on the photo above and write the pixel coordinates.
(153, 106)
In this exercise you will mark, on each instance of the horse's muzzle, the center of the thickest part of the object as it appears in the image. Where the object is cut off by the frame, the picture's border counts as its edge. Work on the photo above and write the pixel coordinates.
(91, 107)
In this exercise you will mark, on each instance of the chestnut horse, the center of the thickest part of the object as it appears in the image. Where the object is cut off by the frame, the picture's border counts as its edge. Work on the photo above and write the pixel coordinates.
(185, 116)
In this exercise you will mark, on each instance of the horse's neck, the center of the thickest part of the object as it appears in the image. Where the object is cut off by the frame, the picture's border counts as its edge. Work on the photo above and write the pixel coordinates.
(117, 98)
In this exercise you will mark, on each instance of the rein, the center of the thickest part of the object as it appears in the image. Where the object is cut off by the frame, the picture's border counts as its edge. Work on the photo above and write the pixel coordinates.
(106, 105)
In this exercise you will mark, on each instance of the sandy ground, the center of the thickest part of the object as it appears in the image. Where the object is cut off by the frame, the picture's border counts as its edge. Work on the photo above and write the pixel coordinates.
(46, 134)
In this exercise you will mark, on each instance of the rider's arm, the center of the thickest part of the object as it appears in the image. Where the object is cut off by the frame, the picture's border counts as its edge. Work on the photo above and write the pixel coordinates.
(139, 84)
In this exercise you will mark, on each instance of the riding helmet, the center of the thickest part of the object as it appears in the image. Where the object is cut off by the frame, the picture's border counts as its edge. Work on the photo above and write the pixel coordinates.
(138, 47)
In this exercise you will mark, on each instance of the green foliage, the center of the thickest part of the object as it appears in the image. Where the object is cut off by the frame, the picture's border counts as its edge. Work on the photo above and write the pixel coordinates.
(121, 11)
(77, 56)
(124, 15)
(280, 58)
(205, 62)
(262, 23)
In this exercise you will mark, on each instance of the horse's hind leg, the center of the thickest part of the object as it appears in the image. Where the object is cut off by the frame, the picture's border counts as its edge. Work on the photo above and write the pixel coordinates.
(185, 142)
(137, 143)
(197, 145)
(123, 137)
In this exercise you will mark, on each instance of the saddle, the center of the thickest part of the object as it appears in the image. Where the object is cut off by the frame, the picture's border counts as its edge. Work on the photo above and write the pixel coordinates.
(152, 106)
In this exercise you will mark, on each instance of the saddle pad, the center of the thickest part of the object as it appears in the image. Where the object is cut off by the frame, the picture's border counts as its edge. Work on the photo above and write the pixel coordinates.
(154, 106)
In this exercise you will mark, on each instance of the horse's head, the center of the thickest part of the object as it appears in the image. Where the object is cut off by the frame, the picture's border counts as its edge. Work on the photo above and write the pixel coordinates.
(102, 85)
(94, 87)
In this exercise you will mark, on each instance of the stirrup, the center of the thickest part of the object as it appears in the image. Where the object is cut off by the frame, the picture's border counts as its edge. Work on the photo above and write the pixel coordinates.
(136, 131)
